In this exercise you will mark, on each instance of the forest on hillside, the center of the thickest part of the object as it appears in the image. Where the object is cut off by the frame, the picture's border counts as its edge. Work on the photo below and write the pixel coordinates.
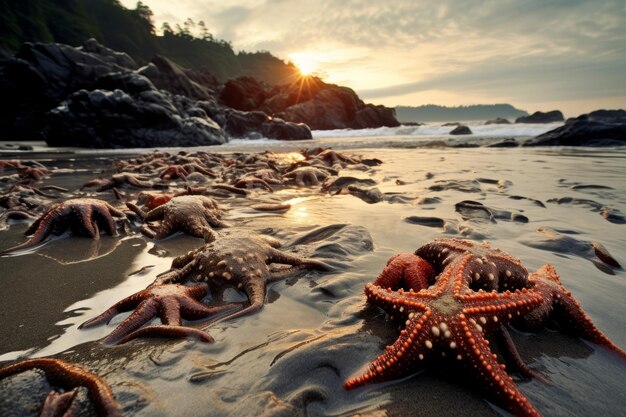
(132, 31)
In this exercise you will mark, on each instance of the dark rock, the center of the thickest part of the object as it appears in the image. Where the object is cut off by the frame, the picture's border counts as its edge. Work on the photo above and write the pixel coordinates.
(504, 143)
(498, 121)
(451, 124)
(412, 124)
(461, 130)
(598, 128)
(166, 75)
(541, 117)
(116, 119)
(319, 105)
(257, 124)
(245, 93)
(40, 76)
(426, 221)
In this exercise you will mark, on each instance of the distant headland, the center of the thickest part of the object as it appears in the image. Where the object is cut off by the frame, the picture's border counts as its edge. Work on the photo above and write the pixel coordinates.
(435, 113)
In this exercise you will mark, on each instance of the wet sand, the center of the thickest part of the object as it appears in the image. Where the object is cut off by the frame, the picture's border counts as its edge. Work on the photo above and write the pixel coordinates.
(316, 330)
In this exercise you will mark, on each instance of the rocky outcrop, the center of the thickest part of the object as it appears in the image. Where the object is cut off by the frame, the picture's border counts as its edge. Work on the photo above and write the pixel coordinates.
(461, 130)
(320, 105)
(118, 119)
(598, 128)
(166, 75)
(498, 121)
(41, 75)
(92, 96)
(257, 124)
(541, 117)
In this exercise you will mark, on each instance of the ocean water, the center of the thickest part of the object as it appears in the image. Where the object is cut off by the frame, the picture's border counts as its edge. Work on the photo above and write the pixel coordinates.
(316, 330)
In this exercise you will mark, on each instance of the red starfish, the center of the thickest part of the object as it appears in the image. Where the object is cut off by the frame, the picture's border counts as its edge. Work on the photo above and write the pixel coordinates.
(408, 271)
(452, 320)
(490, 268)
(170, 302)
(559, 304)
(68, 376)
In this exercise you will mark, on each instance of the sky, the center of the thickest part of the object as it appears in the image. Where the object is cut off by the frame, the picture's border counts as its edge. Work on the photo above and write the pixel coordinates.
(535, 54)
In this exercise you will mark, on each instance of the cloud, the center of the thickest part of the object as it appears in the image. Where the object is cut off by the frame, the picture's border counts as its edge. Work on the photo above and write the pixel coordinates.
(528, 50)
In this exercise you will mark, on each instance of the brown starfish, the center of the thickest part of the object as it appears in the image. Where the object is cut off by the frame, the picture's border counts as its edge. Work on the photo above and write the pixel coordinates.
(303, 176)
(68, 376)
(84, 216)
(117, 180)
(450, 320)
(170, 302)
(240, 260)
(192, 214)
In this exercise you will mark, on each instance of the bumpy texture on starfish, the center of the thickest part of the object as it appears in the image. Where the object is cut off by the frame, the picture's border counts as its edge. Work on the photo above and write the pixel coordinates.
(84, 216)
(559, 305)
(68, 376)
(452, 320)
(170, 302)
(192, 214)
(489, 268)
(240, 260)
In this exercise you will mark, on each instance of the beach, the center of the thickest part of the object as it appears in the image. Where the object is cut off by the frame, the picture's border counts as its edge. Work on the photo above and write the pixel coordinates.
(542, 205)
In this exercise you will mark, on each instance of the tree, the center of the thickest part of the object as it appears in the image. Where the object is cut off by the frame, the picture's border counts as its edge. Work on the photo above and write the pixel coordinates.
(166, 28)
(204, 32)
(144, 12)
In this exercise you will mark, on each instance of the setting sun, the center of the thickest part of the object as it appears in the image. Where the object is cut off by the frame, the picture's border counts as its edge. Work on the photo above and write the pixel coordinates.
(305, 62)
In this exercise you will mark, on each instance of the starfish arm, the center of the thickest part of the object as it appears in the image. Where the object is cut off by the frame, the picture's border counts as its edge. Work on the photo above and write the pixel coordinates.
(114, 211)
(85, 214)
(182, 260)
(169, 312)
(213, 220)
(59, 404)
(195, 310)
(570, 314)
(137, 181)
(289, 259)
(144, 312)
(156, 213)
(393, 301)
(410, 348)
(135, 209)
(406, 268)
(255, 290)
(196, 226)
(33, 227)
(104, 215)
(47, 224)
(121, 306)
(512, 356)
(169, 332)
(475, 350)
(165, 229)
(69, 375)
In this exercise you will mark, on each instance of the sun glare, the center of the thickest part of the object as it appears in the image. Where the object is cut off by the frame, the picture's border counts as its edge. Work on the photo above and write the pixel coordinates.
(305, 62)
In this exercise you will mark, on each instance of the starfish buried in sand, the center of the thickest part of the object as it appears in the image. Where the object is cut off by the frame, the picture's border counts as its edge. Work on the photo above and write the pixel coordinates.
(193, 214)
(170, 302)
(451, 320)
(84, 216)
(69, 377)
